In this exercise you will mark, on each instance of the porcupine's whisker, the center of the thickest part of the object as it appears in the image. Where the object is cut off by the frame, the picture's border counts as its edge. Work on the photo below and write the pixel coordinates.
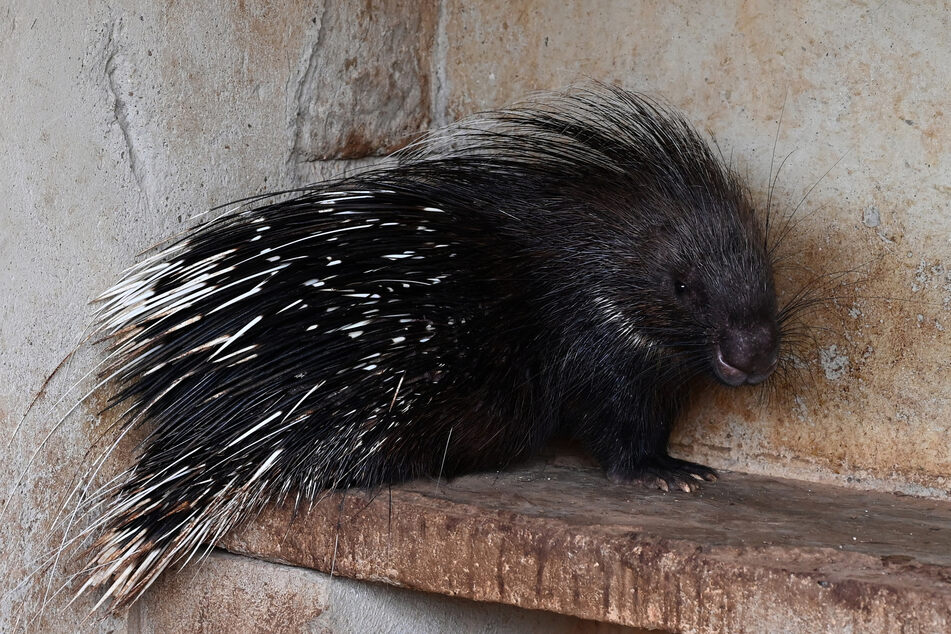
(774, 178)
(789, 224)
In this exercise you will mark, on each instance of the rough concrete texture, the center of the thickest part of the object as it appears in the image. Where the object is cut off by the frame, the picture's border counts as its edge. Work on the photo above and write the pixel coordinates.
(861, 88)
(238, 594)
(123, 120)
(748, 554)
(383, 49)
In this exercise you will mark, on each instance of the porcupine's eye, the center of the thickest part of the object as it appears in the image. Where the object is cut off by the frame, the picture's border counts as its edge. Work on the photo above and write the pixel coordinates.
(684, 292)
(680, 288)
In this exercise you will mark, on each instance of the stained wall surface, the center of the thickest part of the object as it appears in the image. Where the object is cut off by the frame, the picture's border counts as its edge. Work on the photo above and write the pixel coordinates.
(865, 154)
(123, 121)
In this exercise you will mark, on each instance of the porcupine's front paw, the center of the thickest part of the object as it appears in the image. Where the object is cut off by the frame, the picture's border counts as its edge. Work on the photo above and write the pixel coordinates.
(665, 473)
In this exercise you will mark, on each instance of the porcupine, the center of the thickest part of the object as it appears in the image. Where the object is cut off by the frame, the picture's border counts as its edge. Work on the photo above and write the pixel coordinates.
(566, 266)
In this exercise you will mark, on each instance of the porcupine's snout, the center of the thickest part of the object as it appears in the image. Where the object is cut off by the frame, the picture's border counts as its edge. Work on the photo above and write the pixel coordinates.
(746, 355)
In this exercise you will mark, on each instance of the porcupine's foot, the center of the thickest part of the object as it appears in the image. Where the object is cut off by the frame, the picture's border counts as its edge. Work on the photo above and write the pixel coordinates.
(666, 473)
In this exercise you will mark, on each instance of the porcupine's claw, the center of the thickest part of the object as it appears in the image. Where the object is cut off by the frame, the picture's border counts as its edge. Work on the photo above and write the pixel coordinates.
(666, 473)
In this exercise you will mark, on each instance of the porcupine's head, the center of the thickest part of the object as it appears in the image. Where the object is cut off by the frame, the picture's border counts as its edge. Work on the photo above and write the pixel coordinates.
(662, 236)
(713, 284)
(699, 270)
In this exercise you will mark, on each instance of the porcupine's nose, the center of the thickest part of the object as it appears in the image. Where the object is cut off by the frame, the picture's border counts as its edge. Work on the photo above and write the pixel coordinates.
(747, 355)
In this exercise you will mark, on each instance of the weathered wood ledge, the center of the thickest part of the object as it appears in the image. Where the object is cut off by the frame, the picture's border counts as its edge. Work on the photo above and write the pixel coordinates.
(748, 553)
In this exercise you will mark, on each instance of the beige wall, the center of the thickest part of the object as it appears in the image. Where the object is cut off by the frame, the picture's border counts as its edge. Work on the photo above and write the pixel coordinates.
(865, 90)
(122, 122)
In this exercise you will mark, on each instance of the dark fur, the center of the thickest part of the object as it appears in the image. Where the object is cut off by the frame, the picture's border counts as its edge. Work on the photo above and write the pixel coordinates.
(598, 256)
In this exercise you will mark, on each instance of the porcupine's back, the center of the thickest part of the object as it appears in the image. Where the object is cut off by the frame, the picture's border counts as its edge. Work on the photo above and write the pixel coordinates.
(415, 320)
(318, 343)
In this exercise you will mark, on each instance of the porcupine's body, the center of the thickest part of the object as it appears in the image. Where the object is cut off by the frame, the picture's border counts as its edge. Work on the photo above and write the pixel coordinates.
(562, 268)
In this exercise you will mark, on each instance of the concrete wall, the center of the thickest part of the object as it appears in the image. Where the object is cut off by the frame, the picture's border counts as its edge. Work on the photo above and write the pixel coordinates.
(862, 89)
(122, 121)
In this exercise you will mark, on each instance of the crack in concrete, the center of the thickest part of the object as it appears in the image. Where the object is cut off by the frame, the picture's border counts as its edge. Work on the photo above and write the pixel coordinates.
(439, 98)
(302, 97)
(121, 110)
